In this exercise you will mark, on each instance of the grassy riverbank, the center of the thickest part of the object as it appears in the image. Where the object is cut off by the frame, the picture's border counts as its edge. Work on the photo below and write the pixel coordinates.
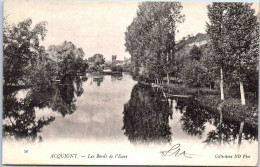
(231, 108)
(184, 90)
(210, 99)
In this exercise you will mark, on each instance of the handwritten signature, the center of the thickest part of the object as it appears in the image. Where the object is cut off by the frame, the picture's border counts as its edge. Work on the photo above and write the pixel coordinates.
(176, 151)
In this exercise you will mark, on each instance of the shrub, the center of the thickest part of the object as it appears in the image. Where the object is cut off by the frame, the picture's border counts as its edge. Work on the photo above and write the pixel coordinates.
(117, 68)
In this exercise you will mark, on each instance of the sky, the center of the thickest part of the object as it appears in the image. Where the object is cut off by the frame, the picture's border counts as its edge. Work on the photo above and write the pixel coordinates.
(96, 27)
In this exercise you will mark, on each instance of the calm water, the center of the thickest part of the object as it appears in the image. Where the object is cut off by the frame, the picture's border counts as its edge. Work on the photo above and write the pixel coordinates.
(112, 108)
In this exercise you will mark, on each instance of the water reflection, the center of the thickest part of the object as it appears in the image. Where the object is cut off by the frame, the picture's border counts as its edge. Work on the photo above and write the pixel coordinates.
(146, 119)
(116, 77)
(97, 77)
(146, 116)
(194, 118)
(19, 114)
(228, 133)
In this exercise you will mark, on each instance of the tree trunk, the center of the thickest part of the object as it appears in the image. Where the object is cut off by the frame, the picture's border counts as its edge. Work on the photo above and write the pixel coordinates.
(243, 100)
(240, 132)
(221, 84)
(168, 80)
(219, 108)
(220, 125)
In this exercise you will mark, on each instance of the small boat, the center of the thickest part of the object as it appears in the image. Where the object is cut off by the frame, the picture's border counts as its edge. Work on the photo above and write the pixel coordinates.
(107, 71)
(56, 80)
(110, 72)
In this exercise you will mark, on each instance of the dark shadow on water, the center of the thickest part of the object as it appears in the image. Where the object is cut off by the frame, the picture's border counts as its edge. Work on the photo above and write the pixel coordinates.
(146, 120)
(19, 115)
(146, 116)
(116, 77)
(194, 118)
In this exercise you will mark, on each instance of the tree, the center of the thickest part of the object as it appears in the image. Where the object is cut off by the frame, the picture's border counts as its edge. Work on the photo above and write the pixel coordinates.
(233, 36)
(210, 66)
(241, 24)
(194, 74)
(21, 50)
(68, 59)
(195, 53)
(99, 59)
(252, 70)
(217, 32)
(150, 38)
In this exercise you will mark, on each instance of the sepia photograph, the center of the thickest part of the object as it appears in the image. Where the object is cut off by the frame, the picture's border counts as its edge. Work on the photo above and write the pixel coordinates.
(130, 83)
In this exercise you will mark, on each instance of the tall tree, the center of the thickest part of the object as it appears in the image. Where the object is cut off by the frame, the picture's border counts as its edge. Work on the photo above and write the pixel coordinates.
(241, 24)
(232, 30)
(150, 38)
(217, 32)
(21, 49)
(68, 58)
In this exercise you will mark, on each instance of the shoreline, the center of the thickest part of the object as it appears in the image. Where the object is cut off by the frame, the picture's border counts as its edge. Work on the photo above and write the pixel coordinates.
(230, 108)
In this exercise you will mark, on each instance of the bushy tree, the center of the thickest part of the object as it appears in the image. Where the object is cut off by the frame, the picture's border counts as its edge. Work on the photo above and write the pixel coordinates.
(150, 38)
(232, 30)
(99, 59)
(217, 33)
(195, 53)
(241, 24)
(22, 50)
(194, 74)
(68, 58)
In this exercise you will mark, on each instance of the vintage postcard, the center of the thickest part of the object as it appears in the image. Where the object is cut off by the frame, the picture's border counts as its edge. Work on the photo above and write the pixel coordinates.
(130, 83)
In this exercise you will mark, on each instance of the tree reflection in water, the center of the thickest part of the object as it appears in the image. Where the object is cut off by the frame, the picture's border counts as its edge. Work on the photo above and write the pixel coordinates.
(228, 133)
(194, 117)
(146, 116)
(19, 115)
(116, 77)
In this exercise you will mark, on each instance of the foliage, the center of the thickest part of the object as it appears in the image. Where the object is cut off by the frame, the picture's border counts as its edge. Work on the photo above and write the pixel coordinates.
(68, 59)
(195, 53)
(98, 59)
(232, 108)
(150, 38)
(116, 68)
(194, 74)
(22, 50)
(197, 69)
(19, 115)
(233, 31)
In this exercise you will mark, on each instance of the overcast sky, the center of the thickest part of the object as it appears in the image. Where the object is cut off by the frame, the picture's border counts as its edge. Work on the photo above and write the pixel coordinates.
(96, 27)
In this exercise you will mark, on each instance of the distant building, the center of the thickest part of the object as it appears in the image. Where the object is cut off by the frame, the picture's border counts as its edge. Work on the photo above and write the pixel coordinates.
(113, 59)
(116, 62)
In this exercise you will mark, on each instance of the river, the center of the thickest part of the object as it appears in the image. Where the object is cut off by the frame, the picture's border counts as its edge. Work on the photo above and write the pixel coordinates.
(112, 110)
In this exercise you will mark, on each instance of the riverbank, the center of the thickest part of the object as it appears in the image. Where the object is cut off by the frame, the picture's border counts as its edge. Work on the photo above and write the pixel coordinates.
(231, 108)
